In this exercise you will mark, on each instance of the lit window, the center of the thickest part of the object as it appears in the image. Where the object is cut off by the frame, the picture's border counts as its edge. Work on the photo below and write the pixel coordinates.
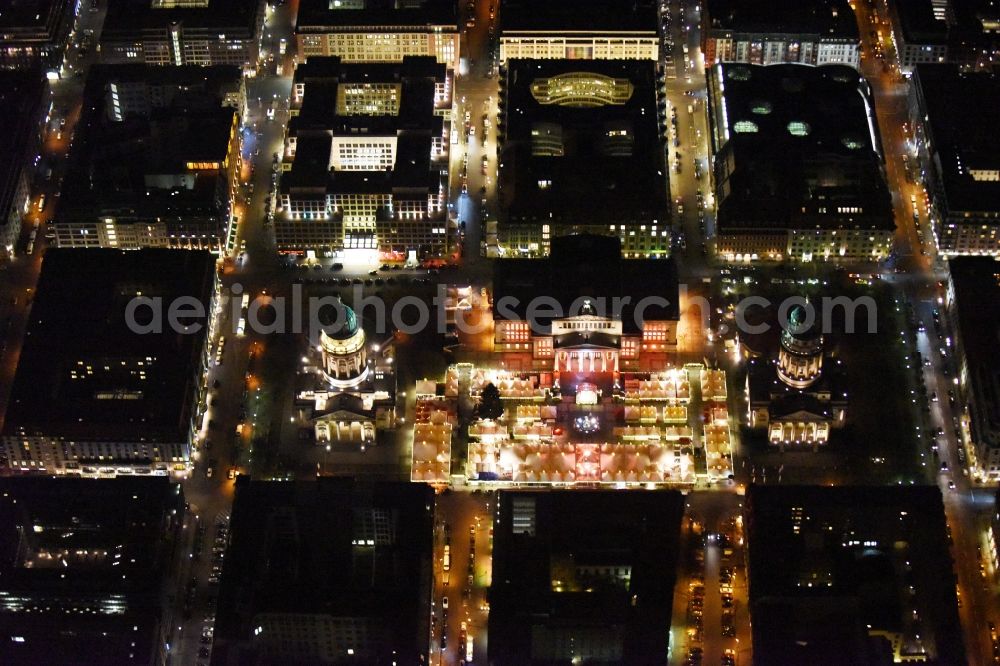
(852, 142)
(799, 128)
(739, 74)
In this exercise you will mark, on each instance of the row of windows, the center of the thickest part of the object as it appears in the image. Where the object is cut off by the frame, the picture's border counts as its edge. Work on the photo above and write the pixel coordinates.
(110, 451)
(359, 47)
(292, 236)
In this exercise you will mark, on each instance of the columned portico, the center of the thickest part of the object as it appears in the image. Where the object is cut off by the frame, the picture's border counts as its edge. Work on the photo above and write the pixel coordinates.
(587, 360)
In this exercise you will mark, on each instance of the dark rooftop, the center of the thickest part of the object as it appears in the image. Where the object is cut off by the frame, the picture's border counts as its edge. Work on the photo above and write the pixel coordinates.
(193, 81)
(794, 144)
(962, 24)
(582, 143)
(827, 18)
(81, 565)
(964, 136)
(977, 306)
(322, 77)
(323, 14)
(125, 17)
(578, 15)
(18, 16)
(33, 33)
(331, 547)
(413, 169)
(320, 119)
(544, 593)
(850, 553)
(83, 374)
(136, 167)
(585, 266)
(21, 94)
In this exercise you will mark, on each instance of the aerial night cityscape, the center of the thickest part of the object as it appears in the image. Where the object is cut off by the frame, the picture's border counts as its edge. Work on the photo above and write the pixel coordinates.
(499, 332)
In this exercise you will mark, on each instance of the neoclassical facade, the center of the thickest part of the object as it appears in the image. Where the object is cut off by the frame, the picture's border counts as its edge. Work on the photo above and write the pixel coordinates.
(800, 359)
(344, 354)
(798, 397)
(602, 314)
(347, 384)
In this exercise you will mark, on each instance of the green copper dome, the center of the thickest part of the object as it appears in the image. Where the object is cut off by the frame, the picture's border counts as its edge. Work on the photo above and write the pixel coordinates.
(348, 324)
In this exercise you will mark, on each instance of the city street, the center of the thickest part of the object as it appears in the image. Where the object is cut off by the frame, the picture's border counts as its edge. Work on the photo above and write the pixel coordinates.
(966, 508)
(464, 519)
(699, 617)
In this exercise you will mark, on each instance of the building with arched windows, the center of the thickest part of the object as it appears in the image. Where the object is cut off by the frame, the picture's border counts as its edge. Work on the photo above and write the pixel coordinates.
(347, 385)
(344, 353)
(800, 359)
(609, 314)
(798, 394)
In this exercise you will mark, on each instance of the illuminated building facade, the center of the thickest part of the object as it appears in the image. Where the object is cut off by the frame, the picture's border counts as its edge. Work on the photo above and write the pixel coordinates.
(154, 164)
(379, 30)
(364, 164)
(588, 334)
(344, 352)
(800, 359)
(558, 30)
(959, 155)
(201, 32)
(797, 165)
(816, 32)
(347, 383)
(799, 397)
(581, 151)
(93, 397)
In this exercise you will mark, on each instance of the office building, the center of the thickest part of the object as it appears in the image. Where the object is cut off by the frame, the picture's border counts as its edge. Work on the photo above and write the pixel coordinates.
(183, 32)
(24, 105)
(83, 567)
(93, 395)
(973, 300)
(797, 165)
(963, 32)
(581, 151)
(850, 575)
(140, 90)
(565, 30)
(155, 160)
(379, 30)
(813, 32)
(959, 155)
(33, 35)
(327, 571)
(584, 576)
(365, 160)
